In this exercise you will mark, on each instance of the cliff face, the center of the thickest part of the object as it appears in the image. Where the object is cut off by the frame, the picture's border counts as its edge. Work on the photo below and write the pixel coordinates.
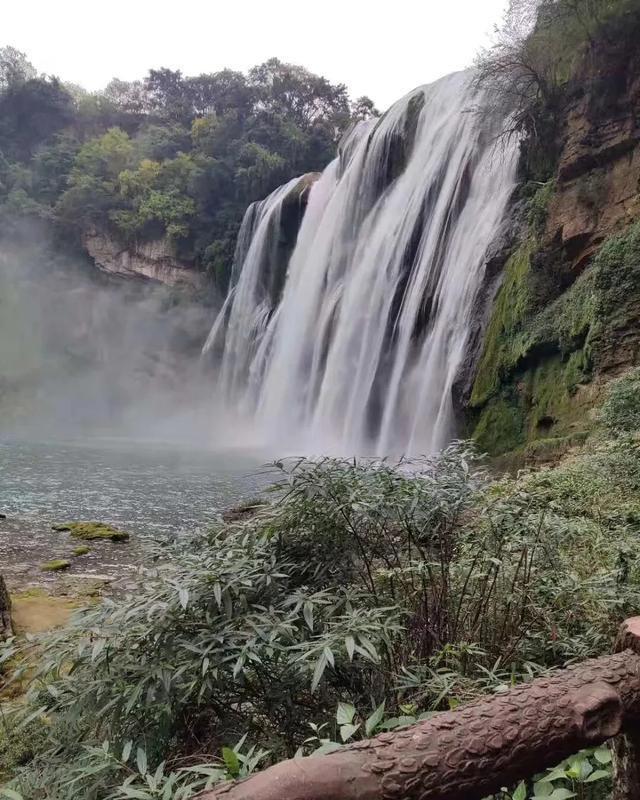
(155, 260)
(567, 316)
(599, 168)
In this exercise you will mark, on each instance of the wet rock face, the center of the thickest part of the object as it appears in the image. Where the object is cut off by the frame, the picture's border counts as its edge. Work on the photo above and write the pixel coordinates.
(598, 178)
(566, 317)
(293, 208)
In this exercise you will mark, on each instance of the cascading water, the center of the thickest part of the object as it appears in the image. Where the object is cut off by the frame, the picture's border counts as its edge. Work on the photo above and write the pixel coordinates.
(359, 350)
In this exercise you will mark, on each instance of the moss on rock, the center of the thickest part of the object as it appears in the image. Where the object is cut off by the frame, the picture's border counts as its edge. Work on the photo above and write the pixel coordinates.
(92, 530)
(506, 341)
(56, 565)
(538, 356)
(82, 550)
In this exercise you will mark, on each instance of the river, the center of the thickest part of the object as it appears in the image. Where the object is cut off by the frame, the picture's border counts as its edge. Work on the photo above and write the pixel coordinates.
(152, 491)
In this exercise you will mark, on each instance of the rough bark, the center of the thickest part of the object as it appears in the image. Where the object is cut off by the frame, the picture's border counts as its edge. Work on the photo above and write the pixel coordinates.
(470, 752)
(6, 628)
(626, 748)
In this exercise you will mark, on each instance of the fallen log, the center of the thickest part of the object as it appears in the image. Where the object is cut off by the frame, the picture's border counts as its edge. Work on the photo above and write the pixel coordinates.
(473, 751)
(6, 629)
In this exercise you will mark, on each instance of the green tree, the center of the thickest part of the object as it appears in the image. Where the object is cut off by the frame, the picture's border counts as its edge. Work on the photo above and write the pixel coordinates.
(31, 112)
(15, 68)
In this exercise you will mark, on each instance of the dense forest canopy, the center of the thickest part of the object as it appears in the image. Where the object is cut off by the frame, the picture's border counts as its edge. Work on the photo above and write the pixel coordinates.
(168, 155)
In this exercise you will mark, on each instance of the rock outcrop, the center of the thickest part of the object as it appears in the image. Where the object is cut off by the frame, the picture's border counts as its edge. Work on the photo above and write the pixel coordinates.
(598, 177)
(154, 260)
(567, 316)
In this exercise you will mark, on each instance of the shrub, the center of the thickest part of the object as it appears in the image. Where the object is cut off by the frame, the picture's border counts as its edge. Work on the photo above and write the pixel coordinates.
(405, 587)
(621, 410)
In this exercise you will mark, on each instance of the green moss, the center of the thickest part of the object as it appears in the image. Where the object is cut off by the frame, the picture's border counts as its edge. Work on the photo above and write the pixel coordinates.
(92, 530)
(539, 205)
(617, 298)
(501, 427)
(537, 403)
(505, 339)
(621, 410)
(539, 357)
(56, 565)
(552, 448)
(81, 551)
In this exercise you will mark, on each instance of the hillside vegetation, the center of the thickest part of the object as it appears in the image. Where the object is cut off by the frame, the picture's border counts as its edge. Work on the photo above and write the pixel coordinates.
(171, 155)
(565, 319)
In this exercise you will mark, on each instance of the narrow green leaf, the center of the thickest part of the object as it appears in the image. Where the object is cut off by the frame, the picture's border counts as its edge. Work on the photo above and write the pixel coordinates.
(126, 751)
(318, 672)
(350, 644)
(308, 614)
(141, 761)
(375, 719)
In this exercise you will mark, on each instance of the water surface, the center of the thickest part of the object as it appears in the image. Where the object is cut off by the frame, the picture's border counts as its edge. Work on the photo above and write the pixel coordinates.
(151, 491)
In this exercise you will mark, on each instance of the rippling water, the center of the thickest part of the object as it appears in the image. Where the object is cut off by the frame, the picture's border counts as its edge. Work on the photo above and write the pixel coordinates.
(148, 490)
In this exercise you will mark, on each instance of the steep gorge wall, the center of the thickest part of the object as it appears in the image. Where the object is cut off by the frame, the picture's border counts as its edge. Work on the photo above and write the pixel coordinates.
(155, 260)
(567, 316)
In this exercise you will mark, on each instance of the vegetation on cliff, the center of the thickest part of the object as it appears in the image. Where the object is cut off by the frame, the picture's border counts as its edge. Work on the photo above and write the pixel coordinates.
(361, 598)
(565, 317)
(171, 156)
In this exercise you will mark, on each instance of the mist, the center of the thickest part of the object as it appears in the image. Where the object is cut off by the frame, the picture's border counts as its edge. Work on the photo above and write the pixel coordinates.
(84, 354)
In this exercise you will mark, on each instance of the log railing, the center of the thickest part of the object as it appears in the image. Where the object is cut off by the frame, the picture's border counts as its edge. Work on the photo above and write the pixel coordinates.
(6, 628)
(473, 751)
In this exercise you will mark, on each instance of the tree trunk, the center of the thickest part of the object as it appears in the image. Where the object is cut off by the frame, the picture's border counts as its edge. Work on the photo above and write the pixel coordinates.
(473, 751)
(6, 628)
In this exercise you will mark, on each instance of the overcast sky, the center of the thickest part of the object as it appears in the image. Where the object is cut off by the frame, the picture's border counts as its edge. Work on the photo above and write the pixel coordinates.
(382, 49)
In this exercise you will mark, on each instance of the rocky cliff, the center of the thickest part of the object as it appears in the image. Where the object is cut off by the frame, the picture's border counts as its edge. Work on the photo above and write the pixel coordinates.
(567, 316)
(155, 260)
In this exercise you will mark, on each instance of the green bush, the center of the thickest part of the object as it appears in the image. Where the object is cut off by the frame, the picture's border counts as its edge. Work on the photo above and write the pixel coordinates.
(364, 585)
(621, 410)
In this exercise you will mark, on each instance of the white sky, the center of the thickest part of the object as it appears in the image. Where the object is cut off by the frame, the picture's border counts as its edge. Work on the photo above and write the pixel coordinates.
(382, 48)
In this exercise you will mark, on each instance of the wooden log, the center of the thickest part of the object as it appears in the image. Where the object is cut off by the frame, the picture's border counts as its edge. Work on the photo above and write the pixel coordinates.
(473, 751)
(6, 629)
(626, 748)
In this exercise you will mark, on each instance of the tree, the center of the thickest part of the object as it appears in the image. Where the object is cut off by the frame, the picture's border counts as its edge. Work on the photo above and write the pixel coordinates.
(170, 155)
(104, 157)
(129, 96)
(31, 112)
(167, 94)
(14, 68)
(295, 92)
(219, 92)
(93, 195)
(157, 141)
(364, 108)
(51, 166)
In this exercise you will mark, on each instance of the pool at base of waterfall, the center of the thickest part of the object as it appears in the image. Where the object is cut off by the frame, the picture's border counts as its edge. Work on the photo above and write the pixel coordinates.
(151, 491)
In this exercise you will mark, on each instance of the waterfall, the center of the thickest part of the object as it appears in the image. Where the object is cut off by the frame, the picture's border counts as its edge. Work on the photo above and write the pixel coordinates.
(357, 348)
